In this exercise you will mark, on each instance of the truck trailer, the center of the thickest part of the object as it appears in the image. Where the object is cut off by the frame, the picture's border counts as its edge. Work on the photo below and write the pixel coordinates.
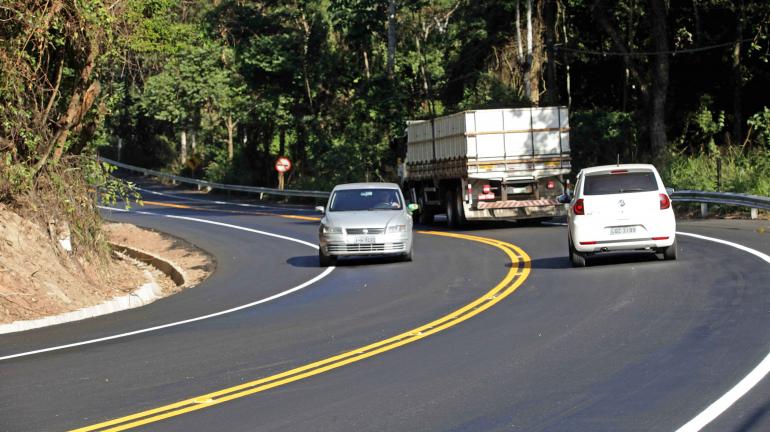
(496, 164)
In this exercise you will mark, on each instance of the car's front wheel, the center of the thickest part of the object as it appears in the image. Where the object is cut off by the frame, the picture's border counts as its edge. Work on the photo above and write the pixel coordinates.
(407, 257)
(326, 260)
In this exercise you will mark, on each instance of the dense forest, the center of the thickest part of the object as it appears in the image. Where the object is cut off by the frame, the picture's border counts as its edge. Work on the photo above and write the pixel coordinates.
(219, 89)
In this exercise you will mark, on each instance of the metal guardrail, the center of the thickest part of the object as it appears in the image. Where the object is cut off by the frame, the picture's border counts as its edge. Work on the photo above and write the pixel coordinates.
(703, 197)
(724, 198)
(221, 186)
(728, 198)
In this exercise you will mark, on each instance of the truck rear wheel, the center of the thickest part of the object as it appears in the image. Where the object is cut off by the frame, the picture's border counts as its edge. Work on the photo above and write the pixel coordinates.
(459, 207)
(451, 208)
(425, 214)
(425, 217)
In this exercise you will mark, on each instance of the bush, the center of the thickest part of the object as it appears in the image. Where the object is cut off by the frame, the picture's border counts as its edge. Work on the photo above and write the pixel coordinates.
(743, 171)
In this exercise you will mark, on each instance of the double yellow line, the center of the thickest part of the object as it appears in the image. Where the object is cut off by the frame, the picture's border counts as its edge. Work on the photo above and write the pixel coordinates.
(518, 273)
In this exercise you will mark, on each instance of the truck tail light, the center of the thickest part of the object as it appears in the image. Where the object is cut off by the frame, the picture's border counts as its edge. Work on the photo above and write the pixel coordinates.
(665, 202)
(470, 193)
(550, 185)
(579, 208)
(486, 189)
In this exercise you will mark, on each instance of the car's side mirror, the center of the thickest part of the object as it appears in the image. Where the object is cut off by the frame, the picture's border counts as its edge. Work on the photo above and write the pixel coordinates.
(413, 207)
(564, 198)
(669, 191)
(320, 209)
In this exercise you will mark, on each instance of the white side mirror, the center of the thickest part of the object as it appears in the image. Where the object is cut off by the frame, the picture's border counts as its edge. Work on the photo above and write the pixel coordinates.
(320, 209)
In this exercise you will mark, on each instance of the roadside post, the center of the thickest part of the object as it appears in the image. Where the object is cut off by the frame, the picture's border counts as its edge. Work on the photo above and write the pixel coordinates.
(282, 165)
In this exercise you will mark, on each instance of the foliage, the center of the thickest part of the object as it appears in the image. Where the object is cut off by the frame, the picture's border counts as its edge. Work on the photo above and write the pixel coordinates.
(742, 171)
(49, 51)
(703, 126)
(319, 82)
(760, 124)
(602, 137)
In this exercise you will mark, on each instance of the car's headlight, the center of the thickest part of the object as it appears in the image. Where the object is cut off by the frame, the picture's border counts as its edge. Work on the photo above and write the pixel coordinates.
(331, 230)
(396, 228)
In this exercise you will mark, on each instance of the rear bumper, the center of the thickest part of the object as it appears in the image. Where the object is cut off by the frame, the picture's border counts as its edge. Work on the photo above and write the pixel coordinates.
(587, 237)
(515, 210)
(624, 245)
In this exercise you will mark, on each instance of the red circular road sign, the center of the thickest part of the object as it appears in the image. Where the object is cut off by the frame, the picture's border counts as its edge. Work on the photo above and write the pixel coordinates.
(282, 164)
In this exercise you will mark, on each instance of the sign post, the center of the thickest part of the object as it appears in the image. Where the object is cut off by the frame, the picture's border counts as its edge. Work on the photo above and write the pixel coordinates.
(282, 165)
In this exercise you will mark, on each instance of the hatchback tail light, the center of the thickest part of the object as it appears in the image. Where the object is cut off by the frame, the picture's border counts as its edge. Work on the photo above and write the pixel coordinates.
(665, 202)
(579, 208)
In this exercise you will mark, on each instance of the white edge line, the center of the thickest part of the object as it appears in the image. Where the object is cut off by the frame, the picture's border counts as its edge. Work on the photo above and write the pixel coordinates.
(191, 320)
(195, 199)
(745, 385)
(748, 382)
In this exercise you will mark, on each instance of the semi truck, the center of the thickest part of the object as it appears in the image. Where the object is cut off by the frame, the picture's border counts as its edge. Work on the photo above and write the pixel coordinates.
(495, 164)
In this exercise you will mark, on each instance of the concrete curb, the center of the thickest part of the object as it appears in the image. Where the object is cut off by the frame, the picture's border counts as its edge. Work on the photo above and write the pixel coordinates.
(144, 295)
(166, 267)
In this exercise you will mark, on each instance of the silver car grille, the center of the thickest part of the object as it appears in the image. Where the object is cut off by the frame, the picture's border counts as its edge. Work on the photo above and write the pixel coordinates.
(365, 230)
(366, 247)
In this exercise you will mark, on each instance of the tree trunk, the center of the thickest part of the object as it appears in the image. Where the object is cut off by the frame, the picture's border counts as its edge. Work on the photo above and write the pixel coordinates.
(698, 27)
(568, 77)
(660, 78)
(366, 65)
(737, 79)
(528, 58)
(82, 99)
(518, 33)
(72, 118)
(391, 37)
(183, 147)
(550, 11)
(600, 12)
(230, 131)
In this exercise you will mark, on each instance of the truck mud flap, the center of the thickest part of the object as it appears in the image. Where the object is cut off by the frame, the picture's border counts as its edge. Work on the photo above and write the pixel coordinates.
(516, 204)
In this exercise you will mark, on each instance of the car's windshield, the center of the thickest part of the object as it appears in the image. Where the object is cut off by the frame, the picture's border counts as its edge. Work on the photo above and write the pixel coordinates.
(365, 199)
(606, 184)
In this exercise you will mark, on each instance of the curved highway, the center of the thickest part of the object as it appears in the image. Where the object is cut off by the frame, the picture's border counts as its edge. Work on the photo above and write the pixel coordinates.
(493, 331)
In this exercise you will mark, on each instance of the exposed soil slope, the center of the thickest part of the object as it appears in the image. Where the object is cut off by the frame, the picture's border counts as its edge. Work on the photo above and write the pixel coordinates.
(38, 278)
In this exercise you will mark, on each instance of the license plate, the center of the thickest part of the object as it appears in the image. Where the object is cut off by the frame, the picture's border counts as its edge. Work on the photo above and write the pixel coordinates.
(518, 190)
(622, 230)
(364, 239)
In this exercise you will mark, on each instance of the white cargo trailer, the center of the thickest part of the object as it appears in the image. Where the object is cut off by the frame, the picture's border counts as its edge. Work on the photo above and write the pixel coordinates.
(488, 164)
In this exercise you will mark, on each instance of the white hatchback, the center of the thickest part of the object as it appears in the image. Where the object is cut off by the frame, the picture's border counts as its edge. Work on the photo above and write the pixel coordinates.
(618, 208)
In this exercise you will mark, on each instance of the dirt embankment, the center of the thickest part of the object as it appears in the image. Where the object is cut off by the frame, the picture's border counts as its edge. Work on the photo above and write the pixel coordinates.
(38, 278)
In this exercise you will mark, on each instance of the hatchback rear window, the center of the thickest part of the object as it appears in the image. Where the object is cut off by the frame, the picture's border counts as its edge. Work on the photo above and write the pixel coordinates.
(606, 184)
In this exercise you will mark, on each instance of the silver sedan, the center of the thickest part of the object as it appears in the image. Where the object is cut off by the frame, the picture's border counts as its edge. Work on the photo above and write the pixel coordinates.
(365, 219)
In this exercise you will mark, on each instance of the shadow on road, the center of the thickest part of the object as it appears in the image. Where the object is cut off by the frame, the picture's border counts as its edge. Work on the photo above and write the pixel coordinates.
(308, 261)
(311, 261)
(557, 262)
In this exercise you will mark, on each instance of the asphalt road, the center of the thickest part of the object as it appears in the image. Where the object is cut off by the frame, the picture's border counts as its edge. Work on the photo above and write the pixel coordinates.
(629, 343)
